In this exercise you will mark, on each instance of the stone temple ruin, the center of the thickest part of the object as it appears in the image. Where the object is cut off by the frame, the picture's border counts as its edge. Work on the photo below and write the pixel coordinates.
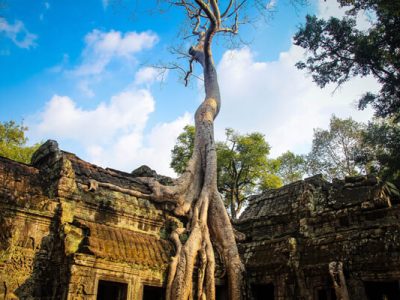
(73, 230)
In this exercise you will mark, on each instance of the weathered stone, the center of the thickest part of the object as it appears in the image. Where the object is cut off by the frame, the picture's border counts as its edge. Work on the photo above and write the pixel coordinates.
(67, 225)
(58, 237)
(295, 232)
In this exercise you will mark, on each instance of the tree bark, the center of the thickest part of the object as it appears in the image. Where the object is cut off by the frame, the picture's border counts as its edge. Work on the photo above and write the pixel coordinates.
(196, 196)
(339, 281)
(195, 192)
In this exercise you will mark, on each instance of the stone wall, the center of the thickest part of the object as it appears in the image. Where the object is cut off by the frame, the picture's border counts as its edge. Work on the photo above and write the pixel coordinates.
(293, 233)
(67, 224)
(72, 230)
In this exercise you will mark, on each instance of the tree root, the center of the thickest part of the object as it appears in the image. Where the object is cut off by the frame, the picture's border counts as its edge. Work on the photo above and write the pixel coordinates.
(195, 196)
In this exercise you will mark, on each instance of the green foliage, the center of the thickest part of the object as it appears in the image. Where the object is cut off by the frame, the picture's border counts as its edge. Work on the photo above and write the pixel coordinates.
(380, 150)
(334, 151)
(350, 148)
(183, 149)
(270, 178)
(292, 167)
(243, 168)
(13, 142)
(338, 51)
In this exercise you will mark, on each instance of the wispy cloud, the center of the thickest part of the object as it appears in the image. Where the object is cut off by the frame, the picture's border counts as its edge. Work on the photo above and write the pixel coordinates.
(105, 3)
(271, 4)
(102, 47)
(149, 75)
(47, 7)
(18, 34)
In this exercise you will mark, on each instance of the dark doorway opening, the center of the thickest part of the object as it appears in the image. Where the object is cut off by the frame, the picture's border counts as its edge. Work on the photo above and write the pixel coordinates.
(326, 294)
(263, 291)
(385, 290)
(221, 292)
(153, 293)
(110, 290)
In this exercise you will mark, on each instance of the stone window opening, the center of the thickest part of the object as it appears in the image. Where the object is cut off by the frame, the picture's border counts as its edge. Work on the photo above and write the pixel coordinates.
(112, 290)
(382, 290)
(221, 292)
(153, 292)
(325, 294)
(263, 291)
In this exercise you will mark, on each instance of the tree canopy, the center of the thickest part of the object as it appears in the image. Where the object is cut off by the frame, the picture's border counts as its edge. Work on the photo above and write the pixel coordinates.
(291, 167)
(338, 50)
(334, 151)
(380, 150)
(350, 148)
(243, 167)
(183, 149)
(13, 142)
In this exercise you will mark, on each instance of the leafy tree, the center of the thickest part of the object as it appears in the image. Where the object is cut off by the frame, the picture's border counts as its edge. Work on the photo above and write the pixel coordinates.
(242, 168)
(334, 151)
(380, 150)
(183, 149)
(13, 142)
(338, 51)
(270, 178)
(291, 167)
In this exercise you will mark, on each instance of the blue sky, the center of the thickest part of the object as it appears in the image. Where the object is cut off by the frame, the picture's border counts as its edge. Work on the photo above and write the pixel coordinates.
(81, 73)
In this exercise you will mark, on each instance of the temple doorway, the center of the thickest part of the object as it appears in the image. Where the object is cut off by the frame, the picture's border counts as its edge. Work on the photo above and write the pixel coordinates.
(383, 290)
(263, 291)
(110, 290)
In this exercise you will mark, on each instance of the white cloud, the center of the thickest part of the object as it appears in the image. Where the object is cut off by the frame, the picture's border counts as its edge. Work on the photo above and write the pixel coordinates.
(102, 47)
(84, 87)
(126, 112)
(61, 66)
(153, 149)
(149, 75)
(113, 134)
(18, 33)
(280, 101)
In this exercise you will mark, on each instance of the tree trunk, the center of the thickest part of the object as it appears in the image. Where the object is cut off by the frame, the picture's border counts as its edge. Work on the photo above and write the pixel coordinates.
(339, 281)
(232, 205)
(195, 195)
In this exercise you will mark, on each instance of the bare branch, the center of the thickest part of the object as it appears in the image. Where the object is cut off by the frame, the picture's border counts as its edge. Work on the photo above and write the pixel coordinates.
(227, 9)
(237, 8)
(217, 14)
(188, 73)
(207, 11)
(234, 29)
(197, 24)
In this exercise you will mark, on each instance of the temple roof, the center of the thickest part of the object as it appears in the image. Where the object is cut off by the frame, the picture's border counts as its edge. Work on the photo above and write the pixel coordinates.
(123, 245)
